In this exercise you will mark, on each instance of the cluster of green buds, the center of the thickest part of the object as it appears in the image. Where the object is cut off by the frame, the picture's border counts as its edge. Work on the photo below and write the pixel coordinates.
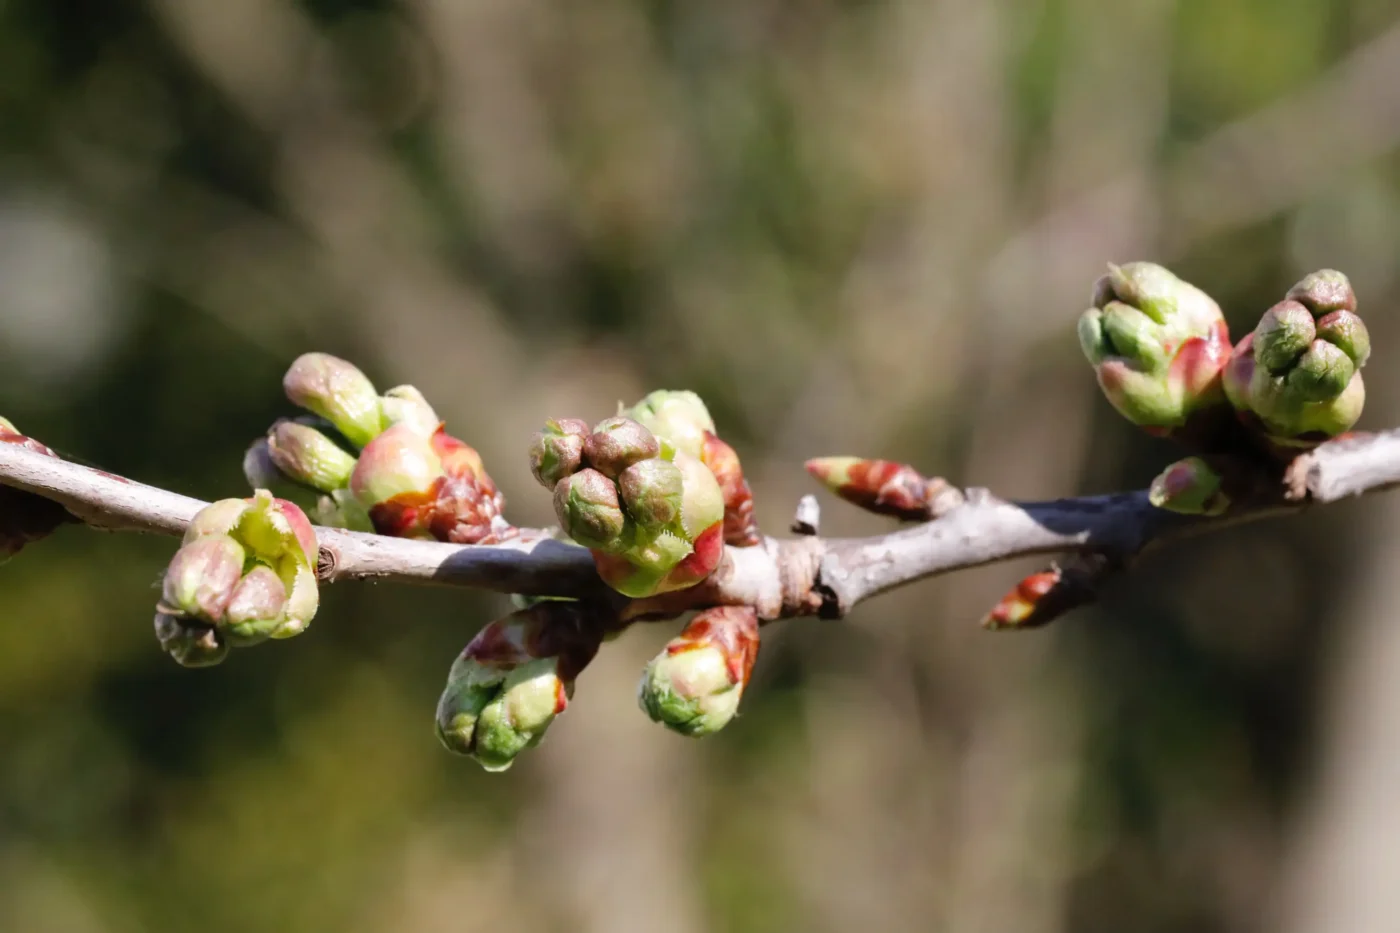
(885, 487)
(513, 679)
(681, 418)
(651, 514)
(245, 572)
(1158, 345)
(407, 477)
(25, 517)
(694, 685)
(1296, 379)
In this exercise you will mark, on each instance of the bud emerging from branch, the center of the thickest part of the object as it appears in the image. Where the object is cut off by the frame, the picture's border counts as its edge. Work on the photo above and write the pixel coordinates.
(1157, 343)
(245, 572)
(337, 391)
(885, 487)
(515, 677)
(1189, 487)
(1043, 597)
(24, 516)
(694, 685)
(1297, 378)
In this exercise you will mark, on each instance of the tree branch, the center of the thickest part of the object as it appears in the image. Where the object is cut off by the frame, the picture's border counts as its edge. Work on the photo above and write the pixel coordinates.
(780, 577)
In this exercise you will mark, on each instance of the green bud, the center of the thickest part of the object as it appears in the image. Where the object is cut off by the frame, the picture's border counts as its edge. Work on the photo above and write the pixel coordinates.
(190, 643)
(405, 405)
(1134, 335)
(1322, 373)
(307, 456)
(1284, 333)
(678, 416)
(337, 391)
(256, 608)
(1189, 487)
(702, 504)
(690, 692)
(616, 444)
(1348, 332)
(653, 492)
(557, 451)
(587, 507)
(202, 576)
(398, 461)
(340, 509)
(302, 603)
(528, 701)
(1324, 292)
(217, 518)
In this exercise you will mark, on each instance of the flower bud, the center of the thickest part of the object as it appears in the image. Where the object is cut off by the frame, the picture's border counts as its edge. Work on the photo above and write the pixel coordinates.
(337, 391)
(652, 491)
(678, 416)
(588, 510)
(307, 456)
(190, 643)
(202, 576)
(885, 487)
(1158, 345)
(1324, 292)
(405, 405)
(1296, 379)
(694, 685)
(256, 608)
(399, 462)
(616, 444)
(740, 529)
(557, 451)
(1189, 487)
(513, 680)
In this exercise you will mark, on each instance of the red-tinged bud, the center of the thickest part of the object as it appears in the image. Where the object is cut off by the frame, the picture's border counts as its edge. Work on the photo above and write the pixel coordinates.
(397, 479)
(740, 529)
(1043, 597)
(24, 516)
(337, 391)
(256, 609)
(1189, 487)
(694, 685)
(1324, 292)
(616, 444)
(557, 450)
(652, 491)
(885, 487)
(202, 577)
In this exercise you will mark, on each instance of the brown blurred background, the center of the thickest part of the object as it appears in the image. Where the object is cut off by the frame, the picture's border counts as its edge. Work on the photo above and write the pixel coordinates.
(854, 227)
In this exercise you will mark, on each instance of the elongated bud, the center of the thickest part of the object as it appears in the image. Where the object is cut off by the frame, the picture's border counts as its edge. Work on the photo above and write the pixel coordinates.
(190, 643)
(616, 444)
(694, 685)
(309, 457)
(202, 577)
(514, 679)
(740, 529)
(1157, 344)
(885, 487)
(337, 391)
(678, 416)
(588, 509)
(557, 451)
(405, 405)
(1189, 487)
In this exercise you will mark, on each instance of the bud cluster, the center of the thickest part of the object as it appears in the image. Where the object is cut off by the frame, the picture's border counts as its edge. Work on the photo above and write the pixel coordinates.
(695, 684)
(1296, 379)
(408, 478)
(245, 572)
(513, 679)
(651, 513)
(24, 516)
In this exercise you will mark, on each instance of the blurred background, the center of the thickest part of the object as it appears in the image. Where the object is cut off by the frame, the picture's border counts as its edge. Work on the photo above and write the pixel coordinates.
(854, 227)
